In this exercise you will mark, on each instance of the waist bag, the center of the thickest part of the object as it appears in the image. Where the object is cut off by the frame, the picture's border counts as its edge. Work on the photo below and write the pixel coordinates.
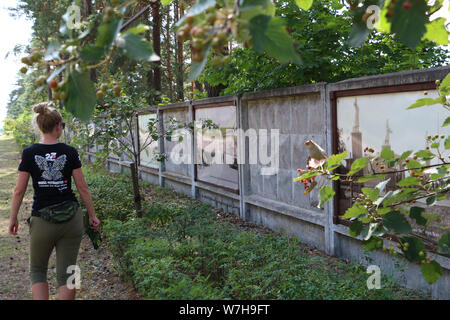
(60, 212)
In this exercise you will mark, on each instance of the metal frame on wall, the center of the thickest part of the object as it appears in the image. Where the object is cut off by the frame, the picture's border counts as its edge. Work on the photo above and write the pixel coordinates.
(212, 105)
(138, 139)
(334, 95)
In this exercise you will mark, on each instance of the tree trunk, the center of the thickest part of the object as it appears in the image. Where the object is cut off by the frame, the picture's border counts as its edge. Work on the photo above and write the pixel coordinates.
(149, 76)
(136, 192)
(178, 13)
(156, 32)
(49, 89)
(169, 55)
(195, 84)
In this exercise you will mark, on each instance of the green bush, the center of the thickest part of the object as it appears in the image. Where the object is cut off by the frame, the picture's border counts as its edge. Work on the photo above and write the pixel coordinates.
(21, 129)
(179, 250)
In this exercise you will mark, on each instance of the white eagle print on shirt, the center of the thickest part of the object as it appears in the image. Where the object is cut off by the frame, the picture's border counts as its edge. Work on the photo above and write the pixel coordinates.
(51, 165)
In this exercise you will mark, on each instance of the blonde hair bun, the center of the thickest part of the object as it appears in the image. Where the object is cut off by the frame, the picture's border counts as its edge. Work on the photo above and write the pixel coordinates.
(41, 108)
(46, 117)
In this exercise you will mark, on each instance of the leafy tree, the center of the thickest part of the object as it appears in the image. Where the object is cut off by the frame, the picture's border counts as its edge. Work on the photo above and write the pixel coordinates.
(320, 36)
(20, 128)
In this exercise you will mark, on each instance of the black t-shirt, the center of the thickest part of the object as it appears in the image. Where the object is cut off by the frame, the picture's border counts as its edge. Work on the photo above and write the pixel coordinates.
(50, 166)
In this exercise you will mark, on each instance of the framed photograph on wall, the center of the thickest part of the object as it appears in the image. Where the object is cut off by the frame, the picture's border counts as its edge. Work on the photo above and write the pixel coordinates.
(374, 119)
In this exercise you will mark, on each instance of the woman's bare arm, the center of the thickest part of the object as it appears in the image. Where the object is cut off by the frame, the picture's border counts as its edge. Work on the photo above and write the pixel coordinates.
(18, 194)
(83, 190)
(85, 194)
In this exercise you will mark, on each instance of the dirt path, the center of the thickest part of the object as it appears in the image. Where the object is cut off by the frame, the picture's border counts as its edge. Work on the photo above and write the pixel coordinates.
(99, 278)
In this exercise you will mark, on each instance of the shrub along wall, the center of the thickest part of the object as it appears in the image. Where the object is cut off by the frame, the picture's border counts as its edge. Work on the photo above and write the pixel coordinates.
(184, 249)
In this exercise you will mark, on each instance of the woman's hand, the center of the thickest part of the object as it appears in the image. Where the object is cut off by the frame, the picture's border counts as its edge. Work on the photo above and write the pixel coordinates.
(13, 226)
(94, 223)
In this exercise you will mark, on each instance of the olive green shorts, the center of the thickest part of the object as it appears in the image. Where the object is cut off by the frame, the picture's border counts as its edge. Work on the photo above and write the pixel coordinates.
(65, 237)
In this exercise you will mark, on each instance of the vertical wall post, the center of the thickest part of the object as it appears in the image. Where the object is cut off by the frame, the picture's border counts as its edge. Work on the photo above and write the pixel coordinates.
(138, 148)
(162, 164)
(330, 235)
(194, 189)
(244, 168)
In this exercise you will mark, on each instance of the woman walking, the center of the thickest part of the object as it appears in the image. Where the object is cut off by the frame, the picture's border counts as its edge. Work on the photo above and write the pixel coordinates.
(56, 219)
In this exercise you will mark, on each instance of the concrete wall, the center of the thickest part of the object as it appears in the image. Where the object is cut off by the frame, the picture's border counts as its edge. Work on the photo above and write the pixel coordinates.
(275, 201)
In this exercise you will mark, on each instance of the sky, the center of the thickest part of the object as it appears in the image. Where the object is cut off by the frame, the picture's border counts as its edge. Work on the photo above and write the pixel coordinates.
(13, 31)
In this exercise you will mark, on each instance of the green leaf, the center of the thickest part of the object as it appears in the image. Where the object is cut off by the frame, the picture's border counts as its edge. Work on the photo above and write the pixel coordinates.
(431, 201)
(387, 154)
(304, 4)
(435, 176)
(395, 221)
(436, 32)
(326, 193)
(52, 51)
(444, 243)
(141, 28)
(252, 8)
(369, 177)
(368, 230)
(415, 245)
(408, 181)
(136, 47)
(416, 214)
(307, 175)
(358, 34)
(166, 2)
(425, 154)
(197, 67)
(373, 243)
(92, 54)
(371, 193)
(107, 33)
(405, 155)
(199, 7)
(81, 97)
(431, 271)
(354, 211)
(385, 25)
(444, 87)
(425, 102)
(446, 122)
(383, 210)
(409, 25)
(431, 217)
(336, 159)
(269, 36)
(413, 164)
(447, 142)
(355, 228)
(357, 165)
(435, 145)
(400, 195)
